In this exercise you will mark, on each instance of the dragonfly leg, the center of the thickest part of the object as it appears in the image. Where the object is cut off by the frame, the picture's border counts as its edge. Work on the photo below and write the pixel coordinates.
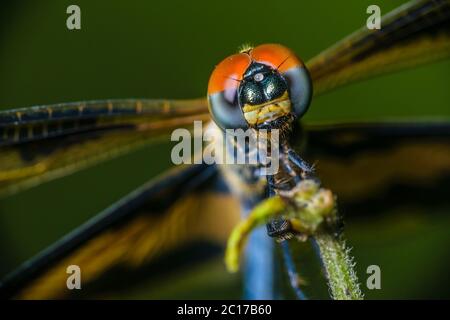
(299, 162)
(280, 229)
(292, 271)
(277, 228)
(288, 168)
(270, 186)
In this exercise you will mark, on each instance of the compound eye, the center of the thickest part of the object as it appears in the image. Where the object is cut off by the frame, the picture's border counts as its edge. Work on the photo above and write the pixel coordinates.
(276, 56)
(223, 91)
(293, 70)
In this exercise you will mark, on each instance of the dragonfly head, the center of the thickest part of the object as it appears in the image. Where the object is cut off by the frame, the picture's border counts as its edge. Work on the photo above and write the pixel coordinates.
(263, 88)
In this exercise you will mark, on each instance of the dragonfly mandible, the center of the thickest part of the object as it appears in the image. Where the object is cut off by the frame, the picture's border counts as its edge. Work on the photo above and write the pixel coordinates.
(42, 143)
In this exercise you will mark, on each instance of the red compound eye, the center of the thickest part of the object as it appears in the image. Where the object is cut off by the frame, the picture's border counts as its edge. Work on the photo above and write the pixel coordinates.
(228, 73)
(223, 91)
(276, 56)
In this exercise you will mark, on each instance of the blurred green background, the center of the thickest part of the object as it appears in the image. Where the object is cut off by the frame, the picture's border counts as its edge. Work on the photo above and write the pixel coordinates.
(167, 49)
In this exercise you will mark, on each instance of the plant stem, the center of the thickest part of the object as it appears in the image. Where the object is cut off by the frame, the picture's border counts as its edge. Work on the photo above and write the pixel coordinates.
(314, 217)
(339, 267)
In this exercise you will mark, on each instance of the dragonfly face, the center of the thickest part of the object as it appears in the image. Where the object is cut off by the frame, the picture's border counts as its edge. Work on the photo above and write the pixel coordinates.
(265, 87)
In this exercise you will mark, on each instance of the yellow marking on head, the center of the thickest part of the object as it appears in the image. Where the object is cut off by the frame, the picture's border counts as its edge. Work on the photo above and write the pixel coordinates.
(248, 107)
(267, 112)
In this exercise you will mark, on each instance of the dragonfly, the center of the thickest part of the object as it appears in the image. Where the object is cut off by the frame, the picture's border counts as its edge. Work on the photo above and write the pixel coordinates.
(192, 208)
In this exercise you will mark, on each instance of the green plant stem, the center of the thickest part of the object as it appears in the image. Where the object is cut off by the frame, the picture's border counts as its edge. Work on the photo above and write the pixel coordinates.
(314, 217)
(339, 267)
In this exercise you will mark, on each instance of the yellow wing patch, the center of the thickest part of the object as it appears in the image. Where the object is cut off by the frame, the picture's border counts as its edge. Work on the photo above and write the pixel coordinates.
(202, 216)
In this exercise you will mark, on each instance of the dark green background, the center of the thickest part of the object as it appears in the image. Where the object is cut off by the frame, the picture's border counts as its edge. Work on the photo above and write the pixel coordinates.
(168, 49)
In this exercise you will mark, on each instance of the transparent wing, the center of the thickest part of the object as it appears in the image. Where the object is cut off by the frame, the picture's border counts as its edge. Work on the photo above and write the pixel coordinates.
(380, 165)
(164, 227)
(38, 144)
(413, 34)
